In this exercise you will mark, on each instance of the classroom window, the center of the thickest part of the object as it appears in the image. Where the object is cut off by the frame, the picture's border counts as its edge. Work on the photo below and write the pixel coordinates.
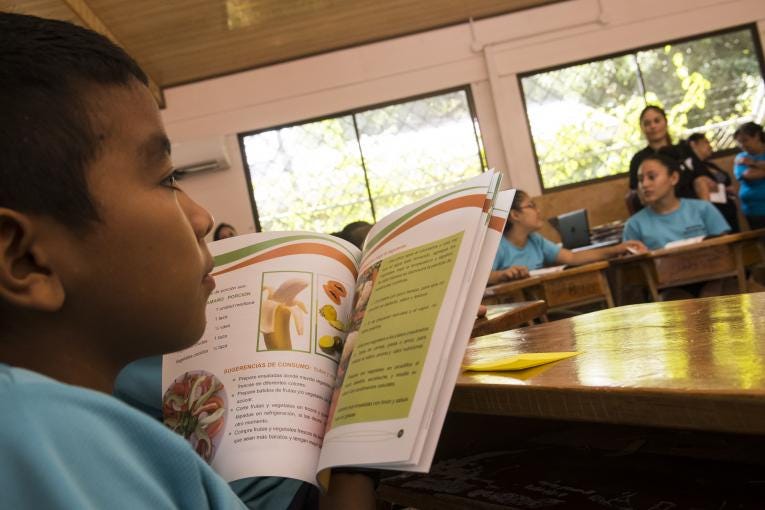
(584, 117)
(322, 174)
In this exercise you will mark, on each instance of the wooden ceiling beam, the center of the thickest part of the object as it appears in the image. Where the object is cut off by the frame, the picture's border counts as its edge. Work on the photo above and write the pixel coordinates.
(92, 21)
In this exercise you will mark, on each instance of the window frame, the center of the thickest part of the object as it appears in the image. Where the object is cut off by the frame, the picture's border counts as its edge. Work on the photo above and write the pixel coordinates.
(758, 51)
(471, 108)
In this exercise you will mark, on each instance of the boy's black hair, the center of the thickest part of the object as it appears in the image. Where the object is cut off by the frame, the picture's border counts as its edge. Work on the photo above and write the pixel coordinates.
(749, 129)
(355, 232)
(349, 228)
(221, 226)
(47, 135)
(697, 137)
(519, 197)
(671, 164)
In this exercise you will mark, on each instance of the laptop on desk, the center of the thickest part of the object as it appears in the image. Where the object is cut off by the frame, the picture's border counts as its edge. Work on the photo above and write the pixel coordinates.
(574, 230)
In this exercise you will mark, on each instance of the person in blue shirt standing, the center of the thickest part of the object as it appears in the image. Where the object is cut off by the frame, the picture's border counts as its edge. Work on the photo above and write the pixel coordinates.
(667, 218)
(749, 168)
(523, 249)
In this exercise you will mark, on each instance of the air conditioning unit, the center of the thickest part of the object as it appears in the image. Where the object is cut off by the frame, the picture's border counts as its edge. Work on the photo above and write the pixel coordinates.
(201, 155)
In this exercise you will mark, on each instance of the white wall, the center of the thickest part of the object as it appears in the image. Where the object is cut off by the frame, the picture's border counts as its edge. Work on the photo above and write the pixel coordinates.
(487, 55)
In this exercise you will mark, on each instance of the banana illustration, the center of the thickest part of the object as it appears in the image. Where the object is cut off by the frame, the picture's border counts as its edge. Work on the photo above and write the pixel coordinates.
(276, 310)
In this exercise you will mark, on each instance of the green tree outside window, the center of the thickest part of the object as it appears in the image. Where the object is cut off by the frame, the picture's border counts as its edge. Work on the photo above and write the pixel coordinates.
(584, 118)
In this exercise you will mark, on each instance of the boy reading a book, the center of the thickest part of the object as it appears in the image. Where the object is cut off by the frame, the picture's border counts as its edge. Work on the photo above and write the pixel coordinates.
(102, 261)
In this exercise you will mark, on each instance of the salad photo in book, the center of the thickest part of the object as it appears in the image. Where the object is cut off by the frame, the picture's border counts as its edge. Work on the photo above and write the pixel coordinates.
(318, 355)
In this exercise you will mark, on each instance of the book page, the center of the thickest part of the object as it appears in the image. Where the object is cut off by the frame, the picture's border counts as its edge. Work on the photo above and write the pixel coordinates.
(453, 359)
(546, 270)
(684, 242)
(416, 265)
(252, 396)
(719, 196)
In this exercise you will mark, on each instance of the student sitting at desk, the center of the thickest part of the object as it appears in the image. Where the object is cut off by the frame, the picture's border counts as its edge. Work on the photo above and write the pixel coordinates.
(522, 249)
(666, 217)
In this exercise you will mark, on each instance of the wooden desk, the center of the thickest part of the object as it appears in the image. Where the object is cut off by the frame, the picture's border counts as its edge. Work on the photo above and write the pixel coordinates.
(571, 287)
(694, 364)
(663, 409)
(508, 316)
(719, 257)
(510, 291)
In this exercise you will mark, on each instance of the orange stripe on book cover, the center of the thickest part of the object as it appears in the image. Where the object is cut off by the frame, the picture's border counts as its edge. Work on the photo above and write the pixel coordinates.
(296, 249)
(449, 205)
(497, 223)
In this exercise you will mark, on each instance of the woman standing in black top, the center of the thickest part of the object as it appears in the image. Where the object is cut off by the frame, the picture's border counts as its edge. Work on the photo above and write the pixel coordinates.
(653, 123)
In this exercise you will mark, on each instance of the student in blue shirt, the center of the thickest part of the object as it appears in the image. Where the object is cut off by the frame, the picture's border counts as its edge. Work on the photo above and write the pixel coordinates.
(749, 168)
(522, 248)
(102, 262)
(667, 218)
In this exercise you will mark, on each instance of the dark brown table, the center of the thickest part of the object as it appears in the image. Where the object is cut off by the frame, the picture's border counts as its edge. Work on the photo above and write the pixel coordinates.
(663, 409)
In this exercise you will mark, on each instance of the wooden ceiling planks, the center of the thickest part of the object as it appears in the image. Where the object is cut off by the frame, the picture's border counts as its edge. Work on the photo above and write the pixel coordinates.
(182, 41)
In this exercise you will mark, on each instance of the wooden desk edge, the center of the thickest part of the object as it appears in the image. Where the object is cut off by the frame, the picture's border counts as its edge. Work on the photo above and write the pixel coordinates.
(749, 235)
(575, 270)
(511, 286)
(626, 406)
(741, 237)
(515, 285)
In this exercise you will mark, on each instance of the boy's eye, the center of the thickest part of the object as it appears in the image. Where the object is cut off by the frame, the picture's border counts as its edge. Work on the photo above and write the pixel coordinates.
(172, 179)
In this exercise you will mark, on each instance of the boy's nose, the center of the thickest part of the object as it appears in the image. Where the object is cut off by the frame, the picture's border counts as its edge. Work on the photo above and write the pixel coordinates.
(200, 218)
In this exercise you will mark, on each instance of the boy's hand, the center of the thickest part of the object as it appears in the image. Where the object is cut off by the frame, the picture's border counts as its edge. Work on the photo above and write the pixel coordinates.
(482, 309)
(631, 247)
(515, 272)
(349, 490)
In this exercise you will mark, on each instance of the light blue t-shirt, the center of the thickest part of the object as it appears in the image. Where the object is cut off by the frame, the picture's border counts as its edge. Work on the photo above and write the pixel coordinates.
(140, 385)
(538, 253)
(751, 193)
(68, 447)
(692, 219)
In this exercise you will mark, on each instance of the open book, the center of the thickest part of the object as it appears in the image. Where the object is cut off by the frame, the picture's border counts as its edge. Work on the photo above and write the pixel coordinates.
(317, 355)
(684, 242)
(546, 270)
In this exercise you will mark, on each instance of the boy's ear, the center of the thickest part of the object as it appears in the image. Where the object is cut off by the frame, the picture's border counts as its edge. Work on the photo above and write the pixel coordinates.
(26, 278)
(674, 178)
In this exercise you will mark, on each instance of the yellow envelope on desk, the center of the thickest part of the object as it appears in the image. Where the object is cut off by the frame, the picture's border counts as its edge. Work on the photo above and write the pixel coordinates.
(519, 361)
